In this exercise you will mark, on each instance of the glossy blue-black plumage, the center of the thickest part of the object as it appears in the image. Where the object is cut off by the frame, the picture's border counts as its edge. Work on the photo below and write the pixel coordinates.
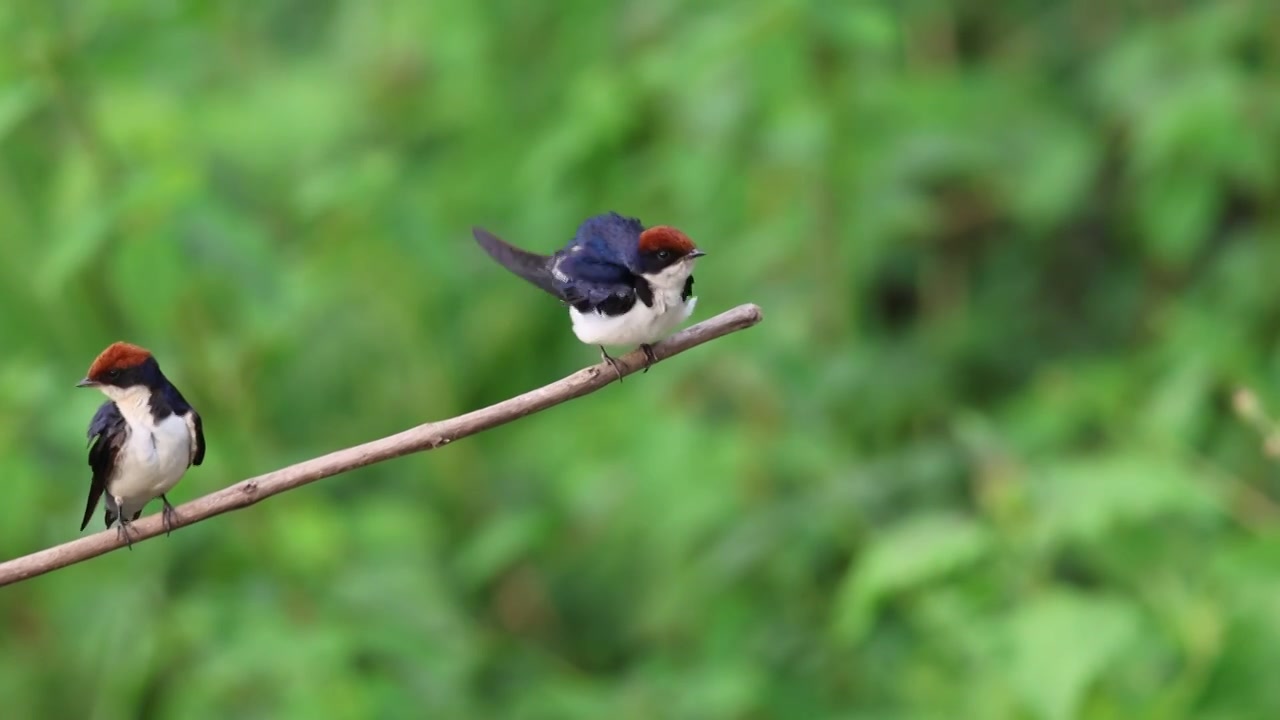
(600, 269)
(610, 240)
(108, 430)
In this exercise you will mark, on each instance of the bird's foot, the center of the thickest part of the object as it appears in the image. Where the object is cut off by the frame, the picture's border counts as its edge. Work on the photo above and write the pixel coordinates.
(169, 515)
(123, 531)
(649, 356)
(613, 362)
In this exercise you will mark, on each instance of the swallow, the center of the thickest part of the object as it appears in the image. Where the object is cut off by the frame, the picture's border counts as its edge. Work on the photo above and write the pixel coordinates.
(141, 440)
(624, 284)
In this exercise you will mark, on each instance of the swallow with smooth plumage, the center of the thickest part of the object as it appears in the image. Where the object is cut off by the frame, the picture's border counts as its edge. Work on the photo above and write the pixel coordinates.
(624, 284)
(141, 440)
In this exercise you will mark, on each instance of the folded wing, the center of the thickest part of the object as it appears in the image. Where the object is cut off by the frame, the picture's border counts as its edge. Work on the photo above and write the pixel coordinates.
(107, 434)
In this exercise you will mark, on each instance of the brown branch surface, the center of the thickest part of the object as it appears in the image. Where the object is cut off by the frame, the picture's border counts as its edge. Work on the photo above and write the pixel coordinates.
(419, 439)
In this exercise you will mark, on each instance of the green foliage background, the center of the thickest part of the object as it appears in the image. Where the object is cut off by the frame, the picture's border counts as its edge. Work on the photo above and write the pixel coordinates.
(979, 461)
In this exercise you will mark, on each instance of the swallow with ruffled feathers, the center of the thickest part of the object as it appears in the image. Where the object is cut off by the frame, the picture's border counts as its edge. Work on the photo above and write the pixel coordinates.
(624, 284)
(141, 440)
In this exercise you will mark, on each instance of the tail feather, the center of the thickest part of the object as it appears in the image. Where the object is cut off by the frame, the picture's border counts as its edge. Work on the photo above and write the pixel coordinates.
(94, 492)
(534, 268)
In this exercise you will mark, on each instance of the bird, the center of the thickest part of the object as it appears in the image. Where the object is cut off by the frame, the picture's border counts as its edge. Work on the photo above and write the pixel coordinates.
(624, 284)
(142, 439)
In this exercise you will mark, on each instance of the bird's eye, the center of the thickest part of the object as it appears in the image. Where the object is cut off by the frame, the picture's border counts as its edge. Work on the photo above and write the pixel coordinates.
(664, 254)
(113, 374)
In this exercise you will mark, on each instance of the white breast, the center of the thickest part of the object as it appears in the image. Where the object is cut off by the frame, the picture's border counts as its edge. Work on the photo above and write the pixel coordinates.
(152, 460)
(641, 324)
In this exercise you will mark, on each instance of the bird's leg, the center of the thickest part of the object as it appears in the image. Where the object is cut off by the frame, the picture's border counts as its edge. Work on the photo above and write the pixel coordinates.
(168, 514)
(649, 357)
(115, 508)
(613, 362)
(122, 530)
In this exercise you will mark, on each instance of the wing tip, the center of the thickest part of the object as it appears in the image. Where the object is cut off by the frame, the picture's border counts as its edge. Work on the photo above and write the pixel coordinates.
(531, 266)
(492, 244)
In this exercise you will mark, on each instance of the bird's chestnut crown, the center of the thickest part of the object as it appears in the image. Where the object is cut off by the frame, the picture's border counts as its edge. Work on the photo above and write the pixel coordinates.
(122, 365)
(662, 245)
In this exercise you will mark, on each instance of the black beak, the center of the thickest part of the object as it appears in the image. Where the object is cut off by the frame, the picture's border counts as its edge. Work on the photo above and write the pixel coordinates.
(696, 254)
(86, 383)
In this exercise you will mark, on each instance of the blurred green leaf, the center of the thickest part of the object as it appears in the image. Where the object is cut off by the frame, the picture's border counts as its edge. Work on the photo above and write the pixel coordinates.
(1064, 642)
(903, 557)
(1175, 211)
(500, 544)
(1085, 499)
(17, 102)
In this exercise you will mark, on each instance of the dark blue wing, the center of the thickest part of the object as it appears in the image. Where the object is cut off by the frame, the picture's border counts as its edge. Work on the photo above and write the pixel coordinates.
(612, 237)
(594, 272)
(197, 425)
(596, 269)
(530, 266)
(107, 434)
(591, 283)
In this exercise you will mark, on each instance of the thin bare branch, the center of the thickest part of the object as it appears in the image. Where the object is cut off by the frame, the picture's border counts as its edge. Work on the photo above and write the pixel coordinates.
(419, 439)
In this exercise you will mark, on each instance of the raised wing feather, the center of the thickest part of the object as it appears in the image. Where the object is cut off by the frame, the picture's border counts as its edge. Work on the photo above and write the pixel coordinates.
(533, 267)
(592, 273)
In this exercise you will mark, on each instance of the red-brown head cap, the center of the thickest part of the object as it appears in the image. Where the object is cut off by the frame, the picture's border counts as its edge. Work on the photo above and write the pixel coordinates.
(662, 246)
(121, 364)
(665, 237)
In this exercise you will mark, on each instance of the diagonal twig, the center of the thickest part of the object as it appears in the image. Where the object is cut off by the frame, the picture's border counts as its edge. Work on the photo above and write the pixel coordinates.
(419, 439)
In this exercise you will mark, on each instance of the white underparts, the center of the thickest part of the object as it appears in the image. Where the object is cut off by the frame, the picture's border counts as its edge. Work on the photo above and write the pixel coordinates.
(154, 457)
(641, 324)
